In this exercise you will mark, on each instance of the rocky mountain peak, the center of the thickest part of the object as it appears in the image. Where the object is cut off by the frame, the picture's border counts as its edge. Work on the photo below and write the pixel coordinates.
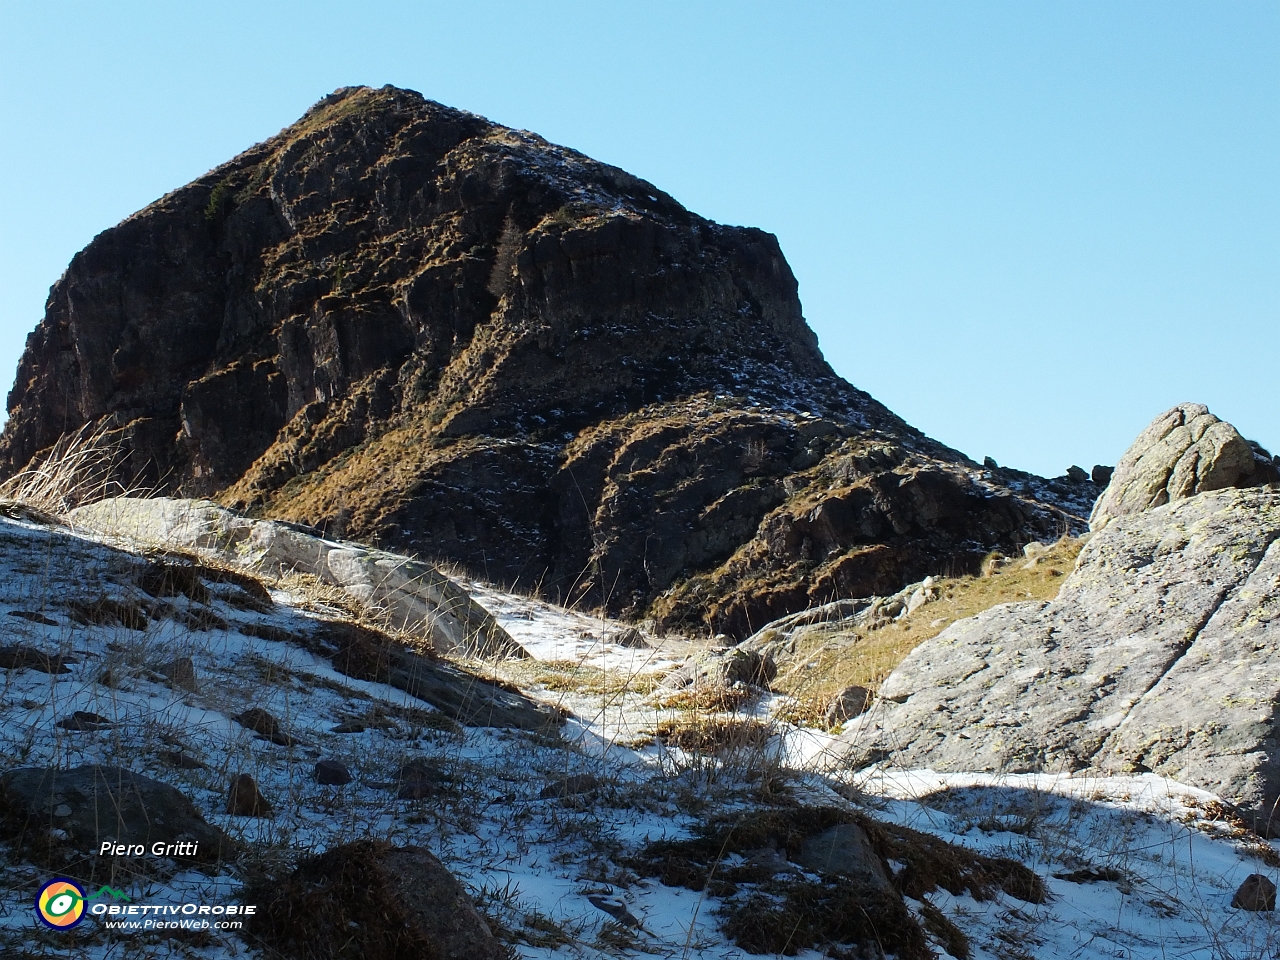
(402, 322)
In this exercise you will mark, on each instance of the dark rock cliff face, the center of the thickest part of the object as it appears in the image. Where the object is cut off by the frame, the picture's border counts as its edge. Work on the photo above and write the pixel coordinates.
(407, 324)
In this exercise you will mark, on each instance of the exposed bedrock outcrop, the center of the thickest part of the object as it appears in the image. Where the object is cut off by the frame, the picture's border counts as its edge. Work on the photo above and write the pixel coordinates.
(406, 324)
(1161, 653)
(1185, 451)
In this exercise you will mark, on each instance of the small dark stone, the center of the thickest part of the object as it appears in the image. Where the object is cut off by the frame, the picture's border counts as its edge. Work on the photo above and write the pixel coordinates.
(1101, 475)
(34, 617)
(348, 726)
(570, 786)
(83, 720)
(181, 672)
(245, 800)
(18, 657)
(628, 637)
(263, 723)
(990, 463)
(1076, 474)
(331, 773)
(180, 760)
(1257, 893)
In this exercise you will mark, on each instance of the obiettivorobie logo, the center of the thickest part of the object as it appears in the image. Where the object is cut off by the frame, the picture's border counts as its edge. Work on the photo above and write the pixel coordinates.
(60, 902)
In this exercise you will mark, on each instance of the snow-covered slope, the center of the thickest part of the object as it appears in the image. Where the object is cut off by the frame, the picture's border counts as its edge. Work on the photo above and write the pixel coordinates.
(1135, 867)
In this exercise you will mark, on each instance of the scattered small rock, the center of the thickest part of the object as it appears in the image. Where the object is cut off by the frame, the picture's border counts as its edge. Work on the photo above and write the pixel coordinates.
(18, 657)
(84, 720)
(34, 617)
(264, 724)
(614, 908)
(245, 800)
(850, 702)
(331, 773)
(180, 672)
(1257, 893)
(570, 786)
(628, 637)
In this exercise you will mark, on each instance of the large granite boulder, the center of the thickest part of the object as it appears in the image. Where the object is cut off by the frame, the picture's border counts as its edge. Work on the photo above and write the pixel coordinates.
(368, 900)
(414, 596)
(1185, 451)
(1161, 653)
(62, 818)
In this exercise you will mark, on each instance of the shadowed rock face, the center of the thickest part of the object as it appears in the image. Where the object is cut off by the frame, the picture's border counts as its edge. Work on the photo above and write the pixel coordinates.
(405, 323)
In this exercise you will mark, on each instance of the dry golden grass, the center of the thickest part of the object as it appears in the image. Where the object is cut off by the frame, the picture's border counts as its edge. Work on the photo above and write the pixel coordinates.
(713, 734)
(569, 676)
(829, 658)
(704, 696)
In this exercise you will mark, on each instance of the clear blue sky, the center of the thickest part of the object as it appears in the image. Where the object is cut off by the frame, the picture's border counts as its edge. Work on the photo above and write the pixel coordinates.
(1026, 227)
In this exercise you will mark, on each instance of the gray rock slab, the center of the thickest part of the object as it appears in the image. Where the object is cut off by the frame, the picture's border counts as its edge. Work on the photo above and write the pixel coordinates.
(414, 596)
(1160, 653)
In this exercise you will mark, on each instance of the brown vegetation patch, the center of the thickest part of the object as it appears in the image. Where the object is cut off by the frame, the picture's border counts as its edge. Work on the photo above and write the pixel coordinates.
(705, 696)
(712, 735)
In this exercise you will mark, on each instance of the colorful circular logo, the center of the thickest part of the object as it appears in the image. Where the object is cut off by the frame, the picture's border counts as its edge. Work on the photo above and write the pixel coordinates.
(60, 904)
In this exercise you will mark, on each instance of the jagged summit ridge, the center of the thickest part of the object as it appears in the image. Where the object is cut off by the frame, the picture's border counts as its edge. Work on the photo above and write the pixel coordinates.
(405, 323)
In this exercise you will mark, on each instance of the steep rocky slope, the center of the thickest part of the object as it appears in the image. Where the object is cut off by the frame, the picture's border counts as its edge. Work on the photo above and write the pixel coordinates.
(405, 323)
